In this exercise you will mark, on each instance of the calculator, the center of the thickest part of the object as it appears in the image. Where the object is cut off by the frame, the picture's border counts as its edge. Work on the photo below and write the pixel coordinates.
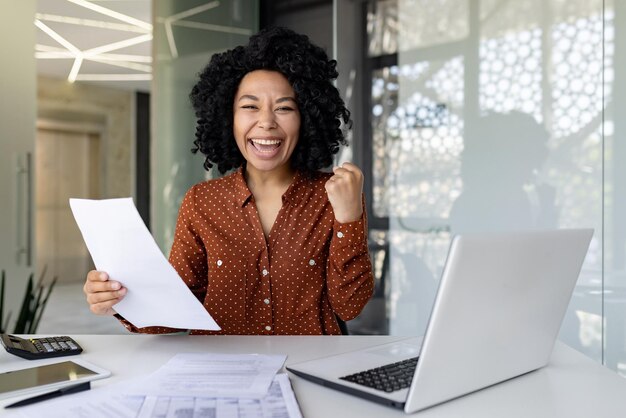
(40, 348)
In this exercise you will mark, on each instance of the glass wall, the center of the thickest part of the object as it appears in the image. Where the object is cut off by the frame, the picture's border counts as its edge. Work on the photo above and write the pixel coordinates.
(186, 34)
(494, 115)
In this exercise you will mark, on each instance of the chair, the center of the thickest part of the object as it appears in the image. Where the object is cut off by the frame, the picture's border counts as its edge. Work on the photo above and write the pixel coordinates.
(342, 326)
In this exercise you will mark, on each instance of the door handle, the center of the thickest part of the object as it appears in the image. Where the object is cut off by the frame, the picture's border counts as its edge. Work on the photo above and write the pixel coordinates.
(24, 211)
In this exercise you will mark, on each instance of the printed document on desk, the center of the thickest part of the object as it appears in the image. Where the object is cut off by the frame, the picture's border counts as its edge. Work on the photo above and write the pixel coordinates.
(279, 402)
(113, 401)
(105, 402)
(220, 375)
(121, 245)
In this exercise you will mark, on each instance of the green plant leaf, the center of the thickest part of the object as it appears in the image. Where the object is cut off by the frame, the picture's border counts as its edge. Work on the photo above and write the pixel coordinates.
(32, 307)
(33, 311)
(20, 324)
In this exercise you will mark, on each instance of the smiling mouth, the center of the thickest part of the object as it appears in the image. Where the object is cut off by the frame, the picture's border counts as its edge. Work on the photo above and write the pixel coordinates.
(265, 145)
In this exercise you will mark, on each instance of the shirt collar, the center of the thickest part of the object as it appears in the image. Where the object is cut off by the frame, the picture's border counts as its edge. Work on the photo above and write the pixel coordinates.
(243, 193)
(296, 191)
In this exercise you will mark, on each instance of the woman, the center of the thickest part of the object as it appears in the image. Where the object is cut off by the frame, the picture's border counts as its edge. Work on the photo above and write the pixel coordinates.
(276, 247)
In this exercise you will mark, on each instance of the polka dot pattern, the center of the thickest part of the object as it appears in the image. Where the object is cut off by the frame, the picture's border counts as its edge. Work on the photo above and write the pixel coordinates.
(309, 269)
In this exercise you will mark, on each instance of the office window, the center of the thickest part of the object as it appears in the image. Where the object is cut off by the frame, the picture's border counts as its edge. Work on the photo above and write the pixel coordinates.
(490, 116)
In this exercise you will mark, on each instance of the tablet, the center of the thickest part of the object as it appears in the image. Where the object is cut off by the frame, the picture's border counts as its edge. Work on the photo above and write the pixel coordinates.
(48, 376)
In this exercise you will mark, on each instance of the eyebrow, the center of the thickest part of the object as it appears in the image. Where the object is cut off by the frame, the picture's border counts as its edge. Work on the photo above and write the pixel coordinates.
(280, 100)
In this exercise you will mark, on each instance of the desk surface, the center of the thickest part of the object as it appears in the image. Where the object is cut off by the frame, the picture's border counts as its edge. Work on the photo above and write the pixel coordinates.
(570, 386)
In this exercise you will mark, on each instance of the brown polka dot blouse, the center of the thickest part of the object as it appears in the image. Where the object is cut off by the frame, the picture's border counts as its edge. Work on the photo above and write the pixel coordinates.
(309, 269)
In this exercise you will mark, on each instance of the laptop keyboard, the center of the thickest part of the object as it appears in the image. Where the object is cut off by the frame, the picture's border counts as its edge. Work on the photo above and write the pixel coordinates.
(388, 378)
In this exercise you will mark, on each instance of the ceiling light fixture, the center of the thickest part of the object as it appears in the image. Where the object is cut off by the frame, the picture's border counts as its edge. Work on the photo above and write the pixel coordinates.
(49, 48)
(114, 77)
(118, 45)
(43, 55)
(90, 23)
(98, 54)
(112, 13)
(57, 37)
(78, 56)
(75, 69)
(51, 52)
(90, 54)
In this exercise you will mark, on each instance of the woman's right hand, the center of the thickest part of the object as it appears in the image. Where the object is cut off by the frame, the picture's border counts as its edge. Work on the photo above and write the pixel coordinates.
(102, 293)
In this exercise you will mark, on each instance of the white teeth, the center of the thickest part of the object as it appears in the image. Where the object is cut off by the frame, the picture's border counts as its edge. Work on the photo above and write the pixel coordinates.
(266, 141)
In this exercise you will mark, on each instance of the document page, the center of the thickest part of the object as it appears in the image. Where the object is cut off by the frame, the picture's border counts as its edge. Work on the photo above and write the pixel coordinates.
(107, 402)
(121, 245)
(114, 402)
(279, 402)
(220, 375)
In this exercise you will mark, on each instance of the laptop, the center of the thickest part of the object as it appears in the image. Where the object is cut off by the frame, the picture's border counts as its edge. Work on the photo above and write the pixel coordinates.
(497, 313)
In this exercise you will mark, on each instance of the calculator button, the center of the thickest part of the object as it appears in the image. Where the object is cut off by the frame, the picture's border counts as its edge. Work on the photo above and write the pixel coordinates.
(63, 345)
(72, 345)
(47, 347)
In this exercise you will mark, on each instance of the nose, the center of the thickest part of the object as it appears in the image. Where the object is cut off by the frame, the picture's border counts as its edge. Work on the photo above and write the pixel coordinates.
(266, 119)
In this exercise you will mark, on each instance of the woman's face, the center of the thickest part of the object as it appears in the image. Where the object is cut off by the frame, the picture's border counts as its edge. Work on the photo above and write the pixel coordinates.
(266, 119)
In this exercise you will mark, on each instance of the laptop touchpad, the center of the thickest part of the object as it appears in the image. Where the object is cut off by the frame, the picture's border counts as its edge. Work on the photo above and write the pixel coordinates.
(396, 350)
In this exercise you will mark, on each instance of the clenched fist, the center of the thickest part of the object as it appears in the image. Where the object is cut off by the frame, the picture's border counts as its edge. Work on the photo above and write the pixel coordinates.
(344, 191)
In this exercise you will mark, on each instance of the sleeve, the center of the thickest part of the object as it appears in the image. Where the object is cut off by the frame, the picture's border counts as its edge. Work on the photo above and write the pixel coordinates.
(147, 330)
(349, 278)
(187, 256)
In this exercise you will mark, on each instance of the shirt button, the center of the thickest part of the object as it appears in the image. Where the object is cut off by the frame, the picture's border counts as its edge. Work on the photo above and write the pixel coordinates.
(340, 234)
(268, 328)
(219, 263)
(311, 262)
(265, 272)
(266, 301)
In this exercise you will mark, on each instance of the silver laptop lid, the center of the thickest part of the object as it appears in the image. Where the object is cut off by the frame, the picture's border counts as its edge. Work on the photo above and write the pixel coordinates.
(498, 310)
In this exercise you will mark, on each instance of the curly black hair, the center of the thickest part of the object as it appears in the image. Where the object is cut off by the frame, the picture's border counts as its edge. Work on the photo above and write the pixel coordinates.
(310, 73)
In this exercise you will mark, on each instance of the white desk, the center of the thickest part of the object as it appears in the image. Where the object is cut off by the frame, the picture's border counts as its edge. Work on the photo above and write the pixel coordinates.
(571, 386)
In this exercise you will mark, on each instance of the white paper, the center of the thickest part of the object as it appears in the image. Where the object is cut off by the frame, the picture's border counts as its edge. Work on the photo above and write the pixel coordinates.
(121, 245)
(113, 402)
(180, 407)
(278, 402)
(214, 375)
(272, 402)
(106, 402)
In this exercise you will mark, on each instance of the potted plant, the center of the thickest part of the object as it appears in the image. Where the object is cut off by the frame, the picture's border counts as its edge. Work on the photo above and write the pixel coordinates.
(34, 302)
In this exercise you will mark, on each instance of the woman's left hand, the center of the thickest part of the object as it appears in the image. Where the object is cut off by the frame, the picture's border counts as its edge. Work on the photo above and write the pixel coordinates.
(344, 191)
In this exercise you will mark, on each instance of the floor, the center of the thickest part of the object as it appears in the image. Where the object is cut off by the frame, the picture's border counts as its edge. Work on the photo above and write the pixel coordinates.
(67, 312)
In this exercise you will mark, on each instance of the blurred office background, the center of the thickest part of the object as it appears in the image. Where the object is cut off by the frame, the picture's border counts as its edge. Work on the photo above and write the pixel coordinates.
(469, 115)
